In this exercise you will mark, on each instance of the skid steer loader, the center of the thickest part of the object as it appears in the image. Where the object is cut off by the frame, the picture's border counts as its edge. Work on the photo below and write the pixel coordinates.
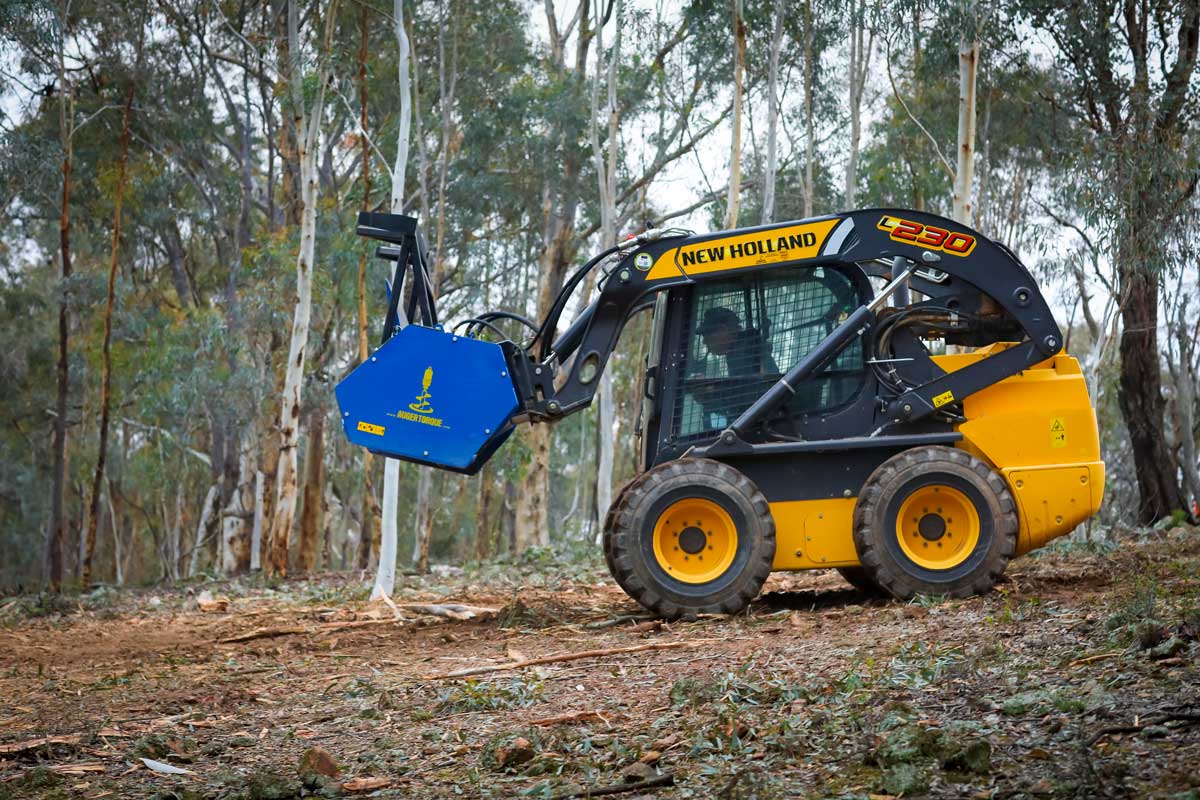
(795, 415)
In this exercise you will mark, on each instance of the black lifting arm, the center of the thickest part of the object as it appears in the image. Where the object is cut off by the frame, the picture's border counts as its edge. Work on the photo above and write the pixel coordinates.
(825, 351)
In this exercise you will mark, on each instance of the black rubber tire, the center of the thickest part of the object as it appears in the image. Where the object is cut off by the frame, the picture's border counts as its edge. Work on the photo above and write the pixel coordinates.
(629, 530)
(614, 509)
(875, 526)
(860, 579)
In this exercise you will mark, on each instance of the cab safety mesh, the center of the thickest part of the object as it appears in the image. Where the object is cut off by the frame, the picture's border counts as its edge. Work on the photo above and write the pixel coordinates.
(742, 334)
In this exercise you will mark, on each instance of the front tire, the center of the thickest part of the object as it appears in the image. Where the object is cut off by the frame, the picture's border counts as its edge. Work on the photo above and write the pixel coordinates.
(935, 521)
(690, 536)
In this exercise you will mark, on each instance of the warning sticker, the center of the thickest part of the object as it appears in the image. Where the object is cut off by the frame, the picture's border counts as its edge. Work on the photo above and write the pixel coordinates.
(1058, 432)
(367, 427)
(943, 399)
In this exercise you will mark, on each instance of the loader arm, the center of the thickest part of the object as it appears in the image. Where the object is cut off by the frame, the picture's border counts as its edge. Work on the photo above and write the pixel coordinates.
(978, 293)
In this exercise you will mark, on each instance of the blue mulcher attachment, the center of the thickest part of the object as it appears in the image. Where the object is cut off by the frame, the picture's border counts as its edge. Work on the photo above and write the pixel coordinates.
(425, 395)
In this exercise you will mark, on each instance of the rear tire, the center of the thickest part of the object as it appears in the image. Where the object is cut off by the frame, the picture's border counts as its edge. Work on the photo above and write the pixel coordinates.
(935, 521)
(671, 518)
(860, 579)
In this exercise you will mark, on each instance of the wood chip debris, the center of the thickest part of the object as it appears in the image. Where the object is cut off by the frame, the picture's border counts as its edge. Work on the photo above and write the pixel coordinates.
(18, 748)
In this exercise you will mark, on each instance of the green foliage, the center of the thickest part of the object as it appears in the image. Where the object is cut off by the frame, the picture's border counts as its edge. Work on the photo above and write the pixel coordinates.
(473, 695)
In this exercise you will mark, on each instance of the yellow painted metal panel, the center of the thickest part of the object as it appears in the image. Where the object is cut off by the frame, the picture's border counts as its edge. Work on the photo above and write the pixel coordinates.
(773, 246)
(813, 534)
(1038, 428)
(1039, 417)
(1053, 500)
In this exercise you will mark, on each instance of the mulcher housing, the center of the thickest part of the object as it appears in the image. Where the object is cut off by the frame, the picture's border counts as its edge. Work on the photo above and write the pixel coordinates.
(795, 356)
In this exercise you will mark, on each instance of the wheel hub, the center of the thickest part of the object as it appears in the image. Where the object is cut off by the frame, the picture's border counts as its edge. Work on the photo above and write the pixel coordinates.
(937, 527)
(692, 540)
(695, 540)
(932, 527)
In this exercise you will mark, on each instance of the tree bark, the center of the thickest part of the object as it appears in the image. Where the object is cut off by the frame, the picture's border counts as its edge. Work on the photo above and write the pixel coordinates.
(606, 176)
(257, 530)
(423, 530)
(368, 538)
(1141, 400)
(964, 173)
(810, 142)
(206, 514)
(308, 131)
(58, 515)
(860, 62)
(772, 166)
(311, 516)
(531, 524)
(733, 200)
(106, 347)
(385, 576)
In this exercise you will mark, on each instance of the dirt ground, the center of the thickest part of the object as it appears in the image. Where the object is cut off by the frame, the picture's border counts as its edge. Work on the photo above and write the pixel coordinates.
(1078, 677)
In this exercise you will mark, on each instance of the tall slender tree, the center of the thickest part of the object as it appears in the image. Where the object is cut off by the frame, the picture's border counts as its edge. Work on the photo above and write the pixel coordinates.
(385, 575)
(1128, 71)
(307, 117)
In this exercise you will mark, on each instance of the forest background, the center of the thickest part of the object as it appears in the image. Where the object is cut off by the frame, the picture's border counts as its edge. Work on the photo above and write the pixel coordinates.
(181, 286)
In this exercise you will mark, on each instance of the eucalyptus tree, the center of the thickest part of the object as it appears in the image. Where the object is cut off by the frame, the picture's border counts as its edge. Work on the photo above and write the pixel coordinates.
(307, 118)
(1127, 74)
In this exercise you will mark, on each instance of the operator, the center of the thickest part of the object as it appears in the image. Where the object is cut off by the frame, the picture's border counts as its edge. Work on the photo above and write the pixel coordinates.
(744, 356)
(743, 351)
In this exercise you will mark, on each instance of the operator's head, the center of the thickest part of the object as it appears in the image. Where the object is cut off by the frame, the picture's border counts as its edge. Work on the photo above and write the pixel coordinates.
(720, 328)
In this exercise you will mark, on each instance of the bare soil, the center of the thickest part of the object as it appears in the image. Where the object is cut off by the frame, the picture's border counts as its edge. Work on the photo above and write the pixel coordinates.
(1078, 677)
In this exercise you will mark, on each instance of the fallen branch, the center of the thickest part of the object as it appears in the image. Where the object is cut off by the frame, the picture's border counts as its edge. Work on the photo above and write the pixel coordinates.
(455, 611)
(33, 744)
(533, 662)
(1100, 657)
(262, 633)
(620, 788)
(331, 627)
(615, 621)
(78, 769)
(1160, 719)
(578, 716)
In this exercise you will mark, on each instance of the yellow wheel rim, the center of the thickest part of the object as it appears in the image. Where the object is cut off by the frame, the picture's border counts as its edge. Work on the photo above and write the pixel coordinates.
(695, 540)
(938, 527)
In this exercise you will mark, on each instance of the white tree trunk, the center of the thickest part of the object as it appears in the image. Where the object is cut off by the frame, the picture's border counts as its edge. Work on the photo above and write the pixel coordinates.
(860, 61)
(257, 531)
(385, 575)
(233, 528)
(733, 200)
(308, 123)
(810, 145)
(772, 168)
(606, 175)
(174, 536)
(964, 174)
(206, 513)
(119, 568)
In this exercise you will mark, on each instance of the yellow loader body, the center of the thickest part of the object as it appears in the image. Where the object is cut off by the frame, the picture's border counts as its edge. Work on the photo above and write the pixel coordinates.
(1036, 428)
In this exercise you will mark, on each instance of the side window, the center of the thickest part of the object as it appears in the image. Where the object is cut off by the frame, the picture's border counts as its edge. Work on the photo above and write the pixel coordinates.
(740, 335)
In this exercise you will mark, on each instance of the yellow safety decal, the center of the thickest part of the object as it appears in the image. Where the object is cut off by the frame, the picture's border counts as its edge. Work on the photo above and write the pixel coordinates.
(367, 427)
(1058, 433)
(942, 399)
(790, 243)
